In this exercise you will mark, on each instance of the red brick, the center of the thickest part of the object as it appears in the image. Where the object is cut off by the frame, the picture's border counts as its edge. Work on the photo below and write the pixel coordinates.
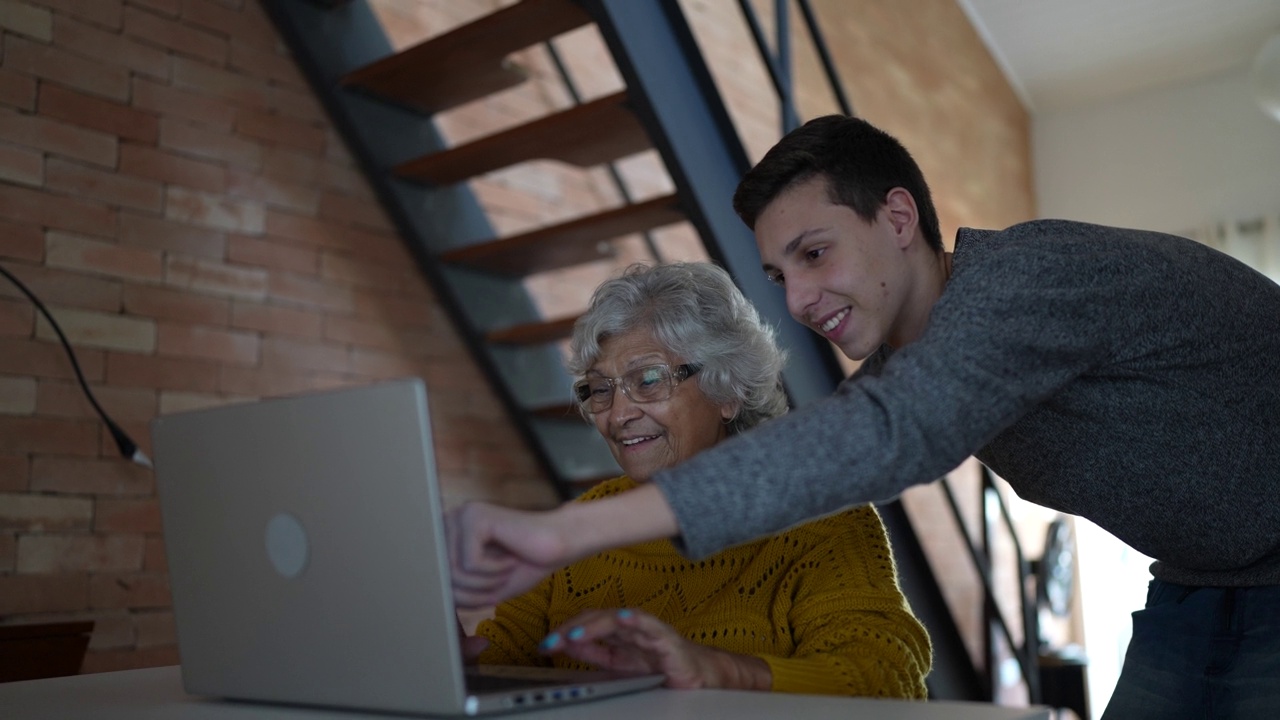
(130, 370)
(155, 629)
(153, 557)
(171, 237)
(97, 114)
(111, 48)
(206, 343)
(8, 552)
(27, 20)
(148, 162)
(290, 289)
(166, 304)
(298, 103)
(47, 360)
(292, 166)
(209, 144)
(275, 320)
(178, 103)
(270, 191)
(216, 278)
(260, 382)
(59, 287)
(59, 138)
(395, 311)
(70, 553)
(383, 365)
(244, 27)
(17, 90)
(230, 86)
(17, 395)
(44, 513)
(99, 661)
(111, 331)
(344, 268)
(168, 8)
(52, 63)
(102, 12)
(265, 64)
(59, 398)
(127, 516)
(182, 39)
(351, 210)
(73, 252)
(23, 594)
(368, 334)
(43, 435)
(90, 477)
(129, 590)
(281, 130)
(17, 318)
(21, 241)
(22, 166)
(286, 353)
(272, 255)
(55, 211)
(14, 472)
(214, 211)
(108, 187)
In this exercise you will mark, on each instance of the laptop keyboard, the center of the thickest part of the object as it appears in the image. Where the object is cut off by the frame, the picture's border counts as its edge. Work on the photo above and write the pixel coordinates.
(490, 683)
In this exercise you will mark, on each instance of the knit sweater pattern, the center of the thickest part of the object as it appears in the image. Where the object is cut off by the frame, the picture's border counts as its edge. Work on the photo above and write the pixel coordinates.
(819, 603)
(1129, 377)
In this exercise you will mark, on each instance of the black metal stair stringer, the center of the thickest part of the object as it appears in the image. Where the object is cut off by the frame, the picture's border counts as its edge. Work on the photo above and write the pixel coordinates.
(676, 98)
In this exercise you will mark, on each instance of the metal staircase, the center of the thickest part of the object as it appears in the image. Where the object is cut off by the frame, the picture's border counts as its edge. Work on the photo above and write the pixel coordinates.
(382, 104)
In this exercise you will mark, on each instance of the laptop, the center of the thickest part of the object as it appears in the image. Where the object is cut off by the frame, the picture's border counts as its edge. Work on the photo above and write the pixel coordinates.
(307, 561)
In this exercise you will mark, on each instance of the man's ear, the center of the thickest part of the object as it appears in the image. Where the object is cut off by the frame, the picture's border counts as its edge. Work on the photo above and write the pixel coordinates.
(902, 215)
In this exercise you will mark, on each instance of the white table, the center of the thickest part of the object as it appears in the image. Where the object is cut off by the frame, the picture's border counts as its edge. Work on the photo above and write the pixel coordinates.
(156, 694)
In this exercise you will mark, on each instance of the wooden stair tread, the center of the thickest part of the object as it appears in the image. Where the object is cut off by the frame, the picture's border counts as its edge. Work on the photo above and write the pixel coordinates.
(534, 333)
(571, 243)
(473, 57)
(589, 134)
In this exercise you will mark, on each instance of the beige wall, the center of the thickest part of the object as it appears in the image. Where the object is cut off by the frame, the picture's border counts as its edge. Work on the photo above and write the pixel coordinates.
(175, 194)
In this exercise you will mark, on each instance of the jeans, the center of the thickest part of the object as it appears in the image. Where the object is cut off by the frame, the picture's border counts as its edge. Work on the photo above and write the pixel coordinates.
(1202, 652)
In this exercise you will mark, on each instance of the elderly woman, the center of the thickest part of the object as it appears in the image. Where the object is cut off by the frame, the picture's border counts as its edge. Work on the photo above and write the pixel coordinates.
(672, 360)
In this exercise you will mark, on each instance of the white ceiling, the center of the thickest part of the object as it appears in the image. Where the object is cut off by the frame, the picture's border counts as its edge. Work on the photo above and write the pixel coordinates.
(1065, 54)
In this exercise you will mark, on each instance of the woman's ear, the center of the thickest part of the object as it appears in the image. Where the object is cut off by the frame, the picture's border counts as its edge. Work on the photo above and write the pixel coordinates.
(729, 411)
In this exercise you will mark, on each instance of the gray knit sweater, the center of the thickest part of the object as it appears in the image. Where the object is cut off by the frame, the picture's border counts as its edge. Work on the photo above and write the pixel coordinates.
(1129, 377)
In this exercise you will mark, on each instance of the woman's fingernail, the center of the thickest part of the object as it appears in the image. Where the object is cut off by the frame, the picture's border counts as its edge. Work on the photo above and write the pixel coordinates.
(624, 613)
(550, 641)
(577, 633)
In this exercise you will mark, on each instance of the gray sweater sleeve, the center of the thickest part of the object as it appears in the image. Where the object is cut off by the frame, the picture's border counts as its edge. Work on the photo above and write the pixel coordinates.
(1010, 329)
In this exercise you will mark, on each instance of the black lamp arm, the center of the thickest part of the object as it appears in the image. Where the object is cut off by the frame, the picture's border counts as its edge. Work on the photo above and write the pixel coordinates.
(128, 448)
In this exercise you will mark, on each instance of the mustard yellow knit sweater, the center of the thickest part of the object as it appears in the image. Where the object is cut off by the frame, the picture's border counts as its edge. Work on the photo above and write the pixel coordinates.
(819, 603)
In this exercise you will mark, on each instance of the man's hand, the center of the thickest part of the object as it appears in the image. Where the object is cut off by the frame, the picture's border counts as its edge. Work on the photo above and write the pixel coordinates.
(496, 553)
(635, 641)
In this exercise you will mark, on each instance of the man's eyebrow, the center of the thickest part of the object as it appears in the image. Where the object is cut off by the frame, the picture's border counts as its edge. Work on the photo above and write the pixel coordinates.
(790, 247)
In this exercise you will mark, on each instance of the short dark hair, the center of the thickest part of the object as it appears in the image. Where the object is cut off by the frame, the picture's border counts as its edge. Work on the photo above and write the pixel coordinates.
(860, 162)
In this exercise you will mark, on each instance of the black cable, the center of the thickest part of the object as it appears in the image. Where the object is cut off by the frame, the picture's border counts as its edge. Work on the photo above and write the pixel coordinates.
(128, 448)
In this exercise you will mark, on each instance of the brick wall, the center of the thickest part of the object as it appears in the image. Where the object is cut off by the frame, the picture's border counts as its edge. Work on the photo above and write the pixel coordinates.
(172, 191)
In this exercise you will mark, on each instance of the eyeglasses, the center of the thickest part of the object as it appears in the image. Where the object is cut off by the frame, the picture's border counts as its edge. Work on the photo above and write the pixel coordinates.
(651, 383)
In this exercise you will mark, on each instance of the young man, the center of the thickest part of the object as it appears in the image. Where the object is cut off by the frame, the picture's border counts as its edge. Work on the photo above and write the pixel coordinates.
(1129, 377)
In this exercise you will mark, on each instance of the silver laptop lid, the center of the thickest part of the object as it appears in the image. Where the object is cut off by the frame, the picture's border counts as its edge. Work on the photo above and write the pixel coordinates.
(306, 553)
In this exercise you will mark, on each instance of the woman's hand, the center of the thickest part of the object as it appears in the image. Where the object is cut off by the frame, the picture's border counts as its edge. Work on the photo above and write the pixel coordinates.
(496, 553)
(635, 641)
